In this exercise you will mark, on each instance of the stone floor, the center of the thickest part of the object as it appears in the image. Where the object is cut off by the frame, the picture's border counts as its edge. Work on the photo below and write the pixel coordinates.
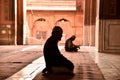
(109, 63)
(15, 58)
(85, 68)
(23, 62)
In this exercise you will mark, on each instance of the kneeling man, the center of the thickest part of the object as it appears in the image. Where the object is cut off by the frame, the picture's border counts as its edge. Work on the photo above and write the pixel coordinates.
(55, 61)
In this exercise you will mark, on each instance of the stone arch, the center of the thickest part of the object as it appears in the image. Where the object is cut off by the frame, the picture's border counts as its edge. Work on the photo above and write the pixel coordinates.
(40, 31)
(68, 30)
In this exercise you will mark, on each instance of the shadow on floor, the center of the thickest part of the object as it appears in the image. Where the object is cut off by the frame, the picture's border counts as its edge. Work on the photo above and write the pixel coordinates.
(53, 77)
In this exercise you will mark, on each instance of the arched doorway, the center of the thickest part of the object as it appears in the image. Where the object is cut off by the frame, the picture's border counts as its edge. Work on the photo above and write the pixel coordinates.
(39, 32)
(68, 30)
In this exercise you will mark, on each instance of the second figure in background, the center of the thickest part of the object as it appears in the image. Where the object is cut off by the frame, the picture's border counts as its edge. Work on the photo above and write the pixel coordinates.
(70, 46)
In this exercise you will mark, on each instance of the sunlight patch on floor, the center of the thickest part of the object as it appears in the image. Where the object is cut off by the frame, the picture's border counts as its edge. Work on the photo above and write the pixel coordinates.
(30, 71)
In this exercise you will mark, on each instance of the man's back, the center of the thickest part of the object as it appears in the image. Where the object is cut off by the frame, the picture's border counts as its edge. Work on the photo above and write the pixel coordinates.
(68, 44)
(51, 51)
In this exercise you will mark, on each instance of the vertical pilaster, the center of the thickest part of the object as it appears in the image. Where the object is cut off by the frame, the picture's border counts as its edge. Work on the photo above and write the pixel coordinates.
(89, 23)
(20, 22)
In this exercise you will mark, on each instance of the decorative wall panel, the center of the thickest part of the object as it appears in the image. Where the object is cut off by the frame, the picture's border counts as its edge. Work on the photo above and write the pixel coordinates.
(110, 35)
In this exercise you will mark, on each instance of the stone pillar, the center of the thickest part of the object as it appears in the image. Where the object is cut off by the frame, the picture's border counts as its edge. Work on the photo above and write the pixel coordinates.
(20, 22)
(89, 23)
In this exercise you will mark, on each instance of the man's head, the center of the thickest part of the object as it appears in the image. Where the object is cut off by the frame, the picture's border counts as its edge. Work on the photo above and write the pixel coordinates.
(57, 32)
(73, 37)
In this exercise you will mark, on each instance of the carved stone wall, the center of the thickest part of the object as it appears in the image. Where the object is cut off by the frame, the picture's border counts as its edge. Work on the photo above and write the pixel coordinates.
(72, 26)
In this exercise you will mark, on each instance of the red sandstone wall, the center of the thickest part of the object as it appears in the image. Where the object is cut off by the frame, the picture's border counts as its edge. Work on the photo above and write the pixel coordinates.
(74, 25)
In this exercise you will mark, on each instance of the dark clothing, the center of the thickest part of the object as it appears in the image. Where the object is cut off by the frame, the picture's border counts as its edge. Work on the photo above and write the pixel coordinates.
(52, 55)
(69, 46)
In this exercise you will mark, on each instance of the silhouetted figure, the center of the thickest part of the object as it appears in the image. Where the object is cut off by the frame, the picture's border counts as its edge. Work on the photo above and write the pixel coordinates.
(69, 46)
(53, 58)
